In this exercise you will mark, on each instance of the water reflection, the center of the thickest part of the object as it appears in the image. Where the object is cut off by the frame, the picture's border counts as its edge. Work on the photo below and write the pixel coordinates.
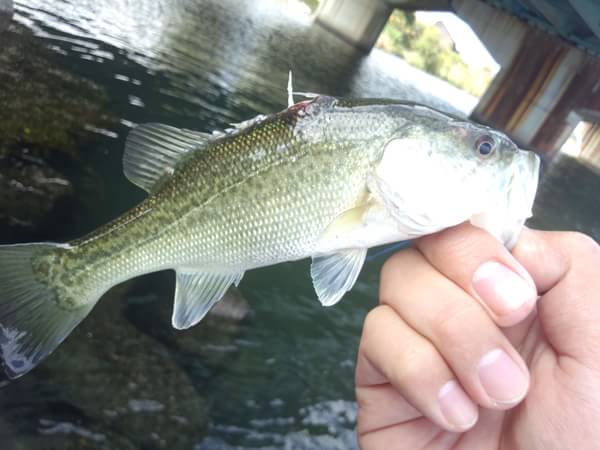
(283, 375)
(232, 54)
(6, 12)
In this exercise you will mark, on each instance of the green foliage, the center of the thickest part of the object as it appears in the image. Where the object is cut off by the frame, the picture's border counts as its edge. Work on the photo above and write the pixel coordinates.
(312, 4)
(424, 47)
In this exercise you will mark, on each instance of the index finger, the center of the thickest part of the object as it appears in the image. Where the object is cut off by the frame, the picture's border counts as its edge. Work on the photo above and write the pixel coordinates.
(478, 263)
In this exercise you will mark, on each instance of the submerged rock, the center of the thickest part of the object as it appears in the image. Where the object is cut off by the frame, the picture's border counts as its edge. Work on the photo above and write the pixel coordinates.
(108, 386)
(125, 378)
(45, 110)
(233, 306)
(32, 194)
(44, 107)
(209, 343)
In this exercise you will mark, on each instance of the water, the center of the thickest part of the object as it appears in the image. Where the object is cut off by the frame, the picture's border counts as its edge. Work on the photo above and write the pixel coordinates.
(281, 377)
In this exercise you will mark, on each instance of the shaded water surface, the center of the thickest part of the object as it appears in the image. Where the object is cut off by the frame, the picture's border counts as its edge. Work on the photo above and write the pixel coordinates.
(275, 370)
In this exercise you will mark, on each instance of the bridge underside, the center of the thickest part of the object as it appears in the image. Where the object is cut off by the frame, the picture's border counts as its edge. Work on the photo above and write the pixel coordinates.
(576, 21)
(548, 51)
(542, 82)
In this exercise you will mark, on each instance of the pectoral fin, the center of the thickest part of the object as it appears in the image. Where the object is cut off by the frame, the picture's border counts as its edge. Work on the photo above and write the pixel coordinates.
(196, 292)
(346, 223)
(333, 275)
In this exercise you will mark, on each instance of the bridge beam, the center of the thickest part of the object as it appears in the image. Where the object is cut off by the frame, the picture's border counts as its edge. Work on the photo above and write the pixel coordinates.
(543, 80)
(421, 5)
(358, 22)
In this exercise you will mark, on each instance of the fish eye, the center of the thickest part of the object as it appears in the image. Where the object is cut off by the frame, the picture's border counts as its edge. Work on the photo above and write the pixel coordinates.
(485, 145)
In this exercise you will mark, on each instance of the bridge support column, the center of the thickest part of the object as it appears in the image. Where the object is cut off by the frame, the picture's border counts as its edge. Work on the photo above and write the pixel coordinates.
(358, 22)
(590, 150)
(541, 82)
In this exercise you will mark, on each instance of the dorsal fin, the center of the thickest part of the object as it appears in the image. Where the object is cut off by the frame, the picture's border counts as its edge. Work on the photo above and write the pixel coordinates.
(153, 150)
(242, 125)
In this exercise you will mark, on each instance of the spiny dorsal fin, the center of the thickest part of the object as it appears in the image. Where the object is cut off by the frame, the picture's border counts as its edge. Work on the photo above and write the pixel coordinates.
(153, 150)
(334, 275)
(196, 292)
(241, 125)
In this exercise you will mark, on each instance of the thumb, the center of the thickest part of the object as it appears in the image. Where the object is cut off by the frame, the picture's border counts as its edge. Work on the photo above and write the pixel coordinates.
(564, 267)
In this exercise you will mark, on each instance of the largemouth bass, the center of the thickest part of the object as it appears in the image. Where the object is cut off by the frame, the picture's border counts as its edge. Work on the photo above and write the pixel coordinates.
(325, 178)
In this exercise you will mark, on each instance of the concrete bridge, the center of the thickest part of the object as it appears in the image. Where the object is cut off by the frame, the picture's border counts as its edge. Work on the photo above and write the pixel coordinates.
(548, 50)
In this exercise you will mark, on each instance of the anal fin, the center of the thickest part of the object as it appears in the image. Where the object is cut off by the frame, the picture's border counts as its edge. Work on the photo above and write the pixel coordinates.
(196, 292)
(333, 275)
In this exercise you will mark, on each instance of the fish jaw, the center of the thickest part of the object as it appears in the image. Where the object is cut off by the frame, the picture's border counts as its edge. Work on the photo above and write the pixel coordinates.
(525, 181)
(505, 218)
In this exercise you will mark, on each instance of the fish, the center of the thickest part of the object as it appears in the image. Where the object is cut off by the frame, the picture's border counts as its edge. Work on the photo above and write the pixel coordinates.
(326, 178)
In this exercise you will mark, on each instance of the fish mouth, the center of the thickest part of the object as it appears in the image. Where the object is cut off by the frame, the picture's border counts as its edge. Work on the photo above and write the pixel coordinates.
(525, 181)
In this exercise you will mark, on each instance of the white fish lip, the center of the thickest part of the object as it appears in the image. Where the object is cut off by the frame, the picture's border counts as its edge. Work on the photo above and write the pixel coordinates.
(527, 172)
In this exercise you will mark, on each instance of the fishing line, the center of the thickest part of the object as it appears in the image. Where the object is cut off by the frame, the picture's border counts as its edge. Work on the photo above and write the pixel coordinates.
(389, 249)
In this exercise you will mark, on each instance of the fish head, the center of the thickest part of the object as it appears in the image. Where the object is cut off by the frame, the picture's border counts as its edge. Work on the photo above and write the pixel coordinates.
(437, 171)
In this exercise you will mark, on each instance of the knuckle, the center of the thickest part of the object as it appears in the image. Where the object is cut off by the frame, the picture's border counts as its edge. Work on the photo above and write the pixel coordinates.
(396, 267)
(458, 242)
(367, 440)
(373, 319)
(392, 265)
(372, 324)
(399, 261)
(409, 371)
(449, 323)
(365, 401)
(580, 243)
(469, 246)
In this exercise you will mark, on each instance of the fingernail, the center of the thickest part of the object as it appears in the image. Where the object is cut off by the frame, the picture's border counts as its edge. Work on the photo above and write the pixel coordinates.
(501, 377)
(456, 406)
(502, 289)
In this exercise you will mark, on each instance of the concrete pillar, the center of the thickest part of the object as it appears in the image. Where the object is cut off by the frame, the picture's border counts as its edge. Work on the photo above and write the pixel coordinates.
(590, 145)
(580, 96)
(358, 22)
(542, 81)
(499, 32)
(526, 95)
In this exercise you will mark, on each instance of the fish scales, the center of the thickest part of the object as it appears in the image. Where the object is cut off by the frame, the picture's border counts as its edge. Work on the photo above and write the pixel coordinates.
(260, 196)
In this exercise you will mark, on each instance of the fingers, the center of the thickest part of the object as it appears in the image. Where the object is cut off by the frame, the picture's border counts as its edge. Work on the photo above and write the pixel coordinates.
(476, 351)
(415, 369)
(483, 268)
(409, 436)
(553, 256)
(566, 268)
(433, 352)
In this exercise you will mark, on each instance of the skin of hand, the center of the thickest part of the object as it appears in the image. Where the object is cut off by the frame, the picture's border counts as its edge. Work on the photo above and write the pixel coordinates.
(476, 348)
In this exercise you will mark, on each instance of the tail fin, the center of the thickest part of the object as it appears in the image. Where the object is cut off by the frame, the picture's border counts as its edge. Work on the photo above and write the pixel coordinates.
(32, 321)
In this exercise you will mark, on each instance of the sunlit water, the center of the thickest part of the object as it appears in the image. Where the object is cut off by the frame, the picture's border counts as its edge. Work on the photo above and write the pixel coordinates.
(283, 376)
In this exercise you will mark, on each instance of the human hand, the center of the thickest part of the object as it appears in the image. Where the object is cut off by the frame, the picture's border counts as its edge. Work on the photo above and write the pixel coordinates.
(457, 356)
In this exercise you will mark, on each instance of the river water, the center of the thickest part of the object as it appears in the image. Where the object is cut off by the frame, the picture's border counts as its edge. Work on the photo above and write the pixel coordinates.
(281, 376)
